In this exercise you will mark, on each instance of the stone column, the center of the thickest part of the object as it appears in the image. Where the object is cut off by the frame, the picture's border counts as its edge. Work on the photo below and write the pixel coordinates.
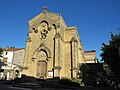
(74, 56)
(57, 55)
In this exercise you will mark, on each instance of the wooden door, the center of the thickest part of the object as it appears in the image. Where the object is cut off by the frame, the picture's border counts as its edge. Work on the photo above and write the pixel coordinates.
(41, 68)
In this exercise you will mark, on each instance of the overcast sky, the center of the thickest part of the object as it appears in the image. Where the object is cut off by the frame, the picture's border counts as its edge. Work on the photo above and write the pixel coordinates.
(94, 19)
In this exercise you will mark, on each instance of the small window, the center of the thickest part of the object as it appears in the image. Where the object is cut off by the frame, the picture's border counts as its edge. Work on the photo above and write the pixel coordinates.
(54, 26)
(6, 53)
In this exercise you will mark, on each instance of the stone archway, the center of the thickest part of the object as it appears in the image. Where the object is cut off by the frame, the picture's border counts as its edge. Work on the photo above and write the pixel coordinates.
(41, 57)
(44, 50)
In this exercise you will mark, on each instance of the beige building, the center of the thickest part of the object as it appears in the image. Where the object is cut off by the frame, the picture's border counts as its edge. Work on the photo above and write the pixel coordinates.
(90, 56)
(52, 49)
(13, 59)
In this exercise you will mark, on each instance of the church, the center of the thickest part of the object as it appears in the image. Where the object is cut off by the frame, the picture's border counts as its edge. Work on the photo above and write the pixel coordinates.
(52, 48)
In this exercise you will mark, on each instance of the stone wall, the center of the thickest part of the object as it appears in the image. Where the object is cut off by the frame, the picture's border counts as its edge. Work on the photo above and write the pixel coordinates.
(51, 41)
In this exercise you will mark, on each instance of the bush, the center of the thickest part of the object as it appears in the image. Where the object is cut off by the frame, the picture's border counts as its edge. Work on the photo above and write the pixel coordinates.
(69, 82)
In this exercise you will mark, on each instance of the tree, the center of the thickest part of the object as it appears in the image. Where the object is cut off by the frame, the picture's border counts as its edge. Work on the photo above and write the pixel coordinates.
(1, 51)
(110, 53)
(1, 63)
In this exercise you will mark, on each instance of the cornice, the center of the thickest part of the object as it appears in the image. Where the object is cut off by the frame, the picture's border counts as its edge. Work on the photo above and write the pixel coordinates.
(69, 29)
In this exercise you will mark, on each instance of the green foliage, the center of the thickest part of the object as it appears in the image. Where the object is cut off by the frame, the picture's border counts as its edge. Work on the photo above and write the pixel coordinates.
(69, 82)
(83, 67)
(1, 51)
(10, 46)
(110, 53)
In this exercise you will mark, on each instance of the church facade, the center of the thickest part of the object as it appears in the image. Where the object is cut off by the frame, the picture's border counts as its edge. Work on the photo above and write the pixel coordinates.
(52, 48)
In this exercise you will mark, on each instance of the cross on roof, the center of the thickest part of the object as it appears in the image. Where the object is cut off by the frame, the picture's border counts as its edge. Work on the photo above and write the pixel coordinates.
(44, 9)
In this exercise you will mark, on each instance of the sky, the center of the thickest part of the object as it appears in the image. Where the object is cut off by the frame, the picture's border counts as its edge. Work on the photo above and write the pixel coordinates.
(94, 19)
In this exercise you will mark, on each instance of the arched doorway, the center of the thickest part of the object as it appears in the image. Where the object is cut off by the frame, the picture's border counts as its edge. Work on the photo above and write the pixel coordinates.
(41, 64)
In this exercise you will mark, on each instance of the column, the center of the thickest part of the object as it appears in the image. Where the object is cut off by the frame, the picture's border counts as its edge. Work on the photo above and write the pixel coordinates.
(74, 56)
(57, 55)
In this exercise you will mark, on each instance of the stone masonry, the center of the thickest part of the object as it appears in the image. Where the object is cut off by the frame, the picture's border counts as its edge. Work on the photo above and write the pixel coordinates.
(52, 48)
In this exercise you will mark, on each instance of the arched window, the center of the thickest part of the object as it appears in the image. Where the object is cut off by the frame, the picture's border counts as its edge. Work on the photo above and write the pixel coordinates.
(54, 26)
(44, 23)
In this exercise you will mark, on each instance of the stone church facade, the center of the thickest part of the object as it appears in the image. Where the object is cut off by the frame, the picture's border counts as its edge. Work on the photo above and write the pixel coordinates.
(52, 48)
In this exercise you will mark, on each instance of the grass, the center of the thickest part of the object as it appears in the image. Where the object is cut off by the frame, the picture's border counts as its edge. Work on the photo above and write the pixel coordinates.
(70, 82)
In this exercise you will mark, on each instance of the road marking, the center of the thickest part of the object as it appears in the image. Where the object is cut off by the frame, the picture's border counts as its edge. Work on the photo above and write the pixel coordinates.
(20, 88)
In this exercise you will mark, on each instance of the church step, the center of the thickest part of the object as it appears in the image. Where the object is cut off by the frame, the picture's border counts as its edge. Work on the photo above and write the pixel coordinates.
(27, 85)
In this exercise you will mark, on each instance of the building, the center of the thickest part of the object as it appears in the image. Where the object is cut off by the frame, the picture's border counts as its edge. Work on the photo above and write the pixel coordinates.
(52, 49)
(13, 58)
(90, 56)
